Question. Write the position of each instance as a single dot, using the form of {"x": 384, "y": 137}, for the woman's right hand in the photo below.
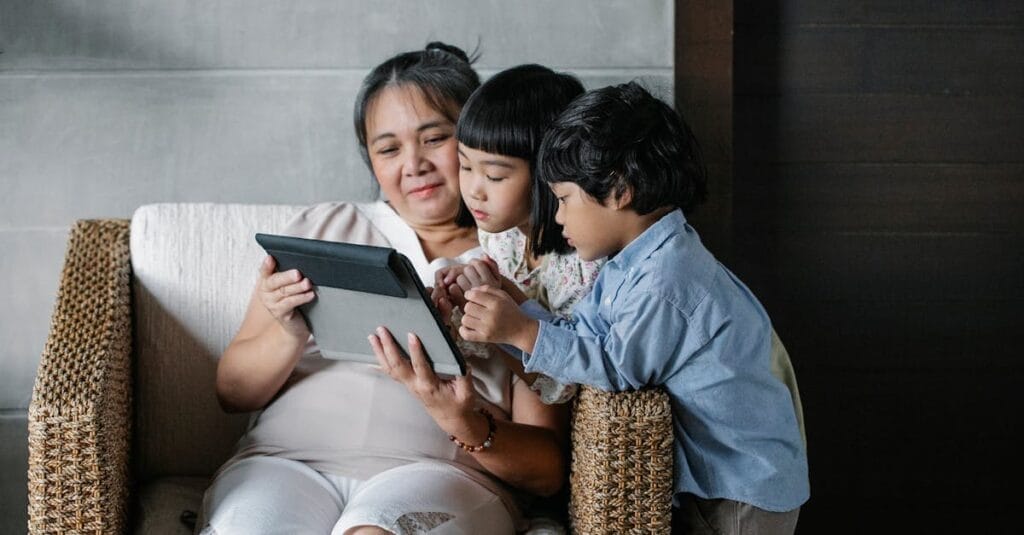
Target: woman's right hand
{"x": 282, "y": 293}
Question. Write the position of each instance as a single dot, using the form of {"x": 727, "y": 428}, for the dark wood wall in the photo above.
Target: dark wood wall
{"x": 877, "y": 209}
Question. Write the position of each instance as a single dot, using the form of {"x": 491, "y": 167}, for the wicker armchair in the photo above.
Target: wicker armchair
{"x": 104, "y": 457}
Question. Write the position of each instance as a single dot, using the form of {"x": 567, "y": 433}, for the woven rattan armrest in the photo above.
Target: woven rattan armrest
{"x": 621, "y": 480}
{"x": 79, "y": 417}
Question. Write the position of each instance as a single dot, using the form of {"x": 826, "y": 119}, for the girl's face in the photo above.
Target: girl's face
{"x": 496, "y": 189}
{"x": 412, "y": 151}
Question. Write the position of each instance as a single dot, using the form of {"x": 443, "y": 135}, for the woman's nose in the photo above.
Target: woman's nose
{"x": 414, "y": 164}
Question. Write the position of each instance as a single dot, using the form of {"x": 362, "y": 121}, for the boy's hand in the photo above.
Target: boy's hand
{"x": 492, "y": 316}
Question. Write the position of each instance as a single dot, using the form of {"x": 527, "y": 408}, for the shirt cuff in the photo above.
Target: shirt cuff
{"x": 536, "y": 310}
{"x": 550, "y": 350}
{"x": 512, "y": 350}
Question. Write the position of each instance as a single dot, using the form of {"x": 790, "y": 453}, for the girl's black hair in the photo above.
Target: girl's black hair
{"x": 508, "y": 115}
{"x": 622, "y": 136}
{"x": 445, "y": 76}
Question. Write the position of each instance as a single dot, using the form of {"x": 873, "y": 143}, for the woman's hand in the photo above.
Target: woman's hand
{"x": 282, "y": 293}
{"x": 451, "y": 402}
{"x": 491, "y": 315}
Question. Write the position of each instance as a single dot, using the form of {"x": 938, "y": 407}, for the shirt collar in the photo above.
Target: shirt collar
{"x": 651, "y": 239}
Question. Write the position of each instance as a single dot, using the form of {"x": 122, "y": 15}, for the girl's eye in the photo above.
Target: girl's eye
{"x": 465, "y": 168}
{"x": 495, "y": 178}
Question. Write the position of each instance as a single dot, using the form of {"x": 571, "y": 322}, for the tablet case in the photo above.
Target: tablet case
{"x": 358, "y": 288}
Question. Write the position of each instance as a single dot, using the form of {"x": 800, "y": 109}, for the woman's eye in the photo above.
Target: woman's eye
{"x": 387, "y": 150}
{"x": 436, "y": 140}
{"x": 561, "y": 200}
{"x": 465, "y": 168}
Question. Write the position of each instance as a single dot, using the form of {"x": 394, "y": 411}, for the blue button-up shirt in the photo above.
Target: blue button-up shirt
{"x": 663, "y": 312}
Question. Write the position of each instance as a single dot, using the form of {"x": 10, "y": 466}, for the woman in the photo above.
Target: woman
{"x": 350, "y": 448}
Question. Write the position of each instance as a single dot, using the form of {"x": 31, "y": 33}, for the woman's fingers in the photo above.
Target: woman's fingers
{"x": 464, "y": 386}
{"x": 267, "y": 266}
{"x": 420, "y": 365}
{"x": 292, "y": 302}
{"x": 394, "y": 359}
{"x": 378, "y": 351}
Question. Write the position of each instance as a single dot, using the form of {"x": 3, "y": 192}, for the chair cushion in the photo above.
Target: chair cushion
{"x": 194, "y": 266}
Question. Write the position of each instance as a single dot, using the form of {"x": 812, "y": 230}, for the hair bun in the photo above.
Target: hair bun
{"x": 451, "y": 49}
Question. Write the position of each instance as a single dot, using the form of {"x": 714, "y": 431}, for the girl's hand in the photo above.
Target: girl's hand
{"x": 441, "y": 300}
{"x": 477, "y": 273}
{"x": 451, "y": 402}
{"x": 282, "y": 293}
{"x": 493, "y": 316}
{"x": 449, "y": 291}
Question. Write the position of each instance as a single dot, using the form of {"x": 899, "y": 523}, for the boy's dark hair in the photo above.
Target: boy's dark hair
{"x": 442, "y": 72}
{"x": 508, "y": 115}
{"x": 622, "y": 136}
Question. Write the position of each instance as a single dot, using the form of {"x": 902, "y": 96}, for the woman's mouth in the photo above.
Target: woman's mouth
{"x": 424, "y": 191}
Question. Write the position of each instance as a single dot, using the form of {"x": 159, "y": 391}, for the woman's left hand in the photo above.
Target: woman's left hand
{"x": 451, "y": 402}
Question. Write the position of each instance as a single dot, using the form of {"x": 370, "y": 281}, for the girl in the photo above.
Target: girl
{"x": 499, "y": 132}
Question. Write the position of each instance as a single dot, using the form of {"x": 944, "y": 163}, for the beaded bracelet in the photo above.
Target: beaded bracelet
{"x": 487, "y": 443}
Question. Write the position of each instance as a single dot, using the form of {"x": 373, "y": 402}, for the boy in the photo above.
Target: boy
{"x": 663, "y": 312}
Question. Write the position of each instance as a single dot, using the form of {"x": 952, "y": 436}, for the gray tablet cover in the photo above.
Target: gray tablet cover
{"x": 358, "y": 288}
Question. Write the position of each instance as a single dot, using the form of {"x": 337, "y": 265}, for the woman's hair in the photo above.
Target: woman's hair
{"x": 508, "y": 115}
{"x": 622, "y": 136}
{"x": 441, "y": 72}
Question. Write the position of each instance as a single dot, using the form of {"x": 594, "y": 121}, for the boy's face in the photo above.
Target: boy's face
{"x": 593, "y": 227}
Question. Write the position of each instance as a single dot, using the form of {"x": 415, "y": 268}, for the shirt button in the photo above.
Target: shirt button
{"x": 607, "y": 301}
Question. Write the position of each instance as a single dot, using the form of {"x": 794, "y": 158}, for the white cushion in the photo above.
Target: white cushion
{"x": 194, "y": 266}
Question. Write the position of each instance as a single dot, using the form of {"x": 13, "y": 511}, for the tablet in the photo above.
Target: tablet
{"x": 361, "y": 287}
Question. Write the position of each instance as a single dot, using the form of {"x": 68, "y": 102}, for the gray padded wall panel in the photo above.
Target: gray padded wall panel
{"x": 119, "y": 34}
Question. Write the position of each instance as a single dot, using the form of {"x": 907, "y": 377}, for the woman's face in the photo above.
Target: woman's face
{"x": 412, "y": 151}
{"x": 496, "y": 189}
